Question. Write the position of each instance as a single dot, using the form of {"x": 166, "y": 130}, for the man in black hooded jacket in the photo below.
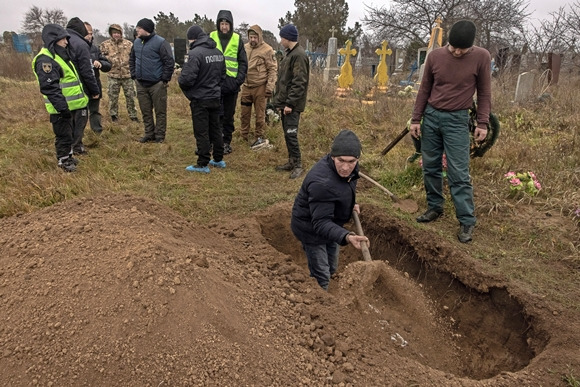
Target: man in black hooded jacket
{"x": 81, "y": 57}
{"x": 201, "y": 79}
{"x": 231, "y": 45}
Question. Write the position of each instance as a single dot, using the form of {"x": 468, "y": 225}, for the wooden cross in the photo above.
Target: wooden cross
{"x": 333, "y": 30}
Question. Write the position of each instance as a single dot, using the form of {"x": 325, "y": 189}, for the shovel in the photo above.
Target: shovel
{"x": 406, "y": 205}
{"x": 364, "y": 248}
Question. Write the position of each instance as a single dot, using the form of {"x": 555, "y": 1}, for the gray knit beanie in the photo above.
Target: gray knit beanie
{"x": 346, "y": 143}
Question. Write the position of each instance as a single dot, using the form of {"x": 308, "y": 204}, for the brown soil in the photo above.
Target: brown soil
{"x": 119, "y": 290}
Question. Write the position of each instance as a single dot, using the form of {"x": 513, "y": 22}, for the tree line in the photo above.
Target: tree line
{"x": 403, "y": 23}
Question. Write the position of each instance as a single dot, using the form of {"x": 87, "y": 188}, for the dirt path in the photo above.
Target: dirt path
{"x": 121, "y": 290}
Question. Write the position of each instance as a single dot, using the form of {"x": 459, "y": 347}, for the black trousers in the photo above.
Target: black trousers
{"x": 63, "y": 135}
{"x": 207, "y": 130}
{"x": 80, "y": 118}
{"x": 227, "y": 115}
{"x": 290, "y": 126}
{"x": 95, "y": 115}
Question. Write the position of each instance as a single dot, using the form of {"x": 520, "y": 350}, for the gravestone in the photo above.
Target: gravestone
{"x": 331, "y": 70}
{"x": 180, "y": 50}
{"x": 358, "y": 61}
{"x": 435, "y": 41}
{"x": 525, "y": 86}
{"x": 554, "y": 64}
{"x": 421, "y": 56}
{"x": 399, "y": 60}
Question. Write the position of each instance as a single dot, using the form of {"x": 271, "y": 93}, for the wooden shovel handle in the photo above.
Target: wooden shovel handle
{"x": 364, "y": 248}
{"x": 392, "y": 195}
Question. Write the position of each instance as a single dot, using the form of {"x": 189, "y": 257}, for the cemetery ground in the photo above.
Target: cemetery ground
{"x": 134, "y": 272}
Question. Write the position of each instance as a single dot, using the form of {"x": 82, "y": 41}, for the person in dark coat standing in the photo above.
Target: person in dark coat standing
{"x": 100, "y": 63}
{"x": 200, "y": 80}
{"x": 232, "y": 46}
{"x": 151, "y": 63}
{"x": 325, "y": 203}
{"x": 61, "y": 88}
{"x": 81, "y": 57}
{"x": 290, "y": 96}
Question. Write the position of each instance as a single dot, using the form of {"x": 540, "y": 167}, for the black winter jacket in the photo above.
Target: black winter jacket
{"x": 292, "y": 84}
{"x": 81, "y": 56}
{"x": 232, "y": 85}
{"x": 106, "y": 65}
{"x": 204, "y": 71}
{"x": 49, "y": 78}
{"x": 324, "y": 204}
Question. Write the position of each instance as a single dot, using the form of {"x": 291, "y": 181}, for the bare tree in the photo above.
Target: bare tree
{"x": 36, "y": 18}
{"x": 551, "y": 36}
{"x": 406, "y": 21}
{"x": 129, "y": 31}
{"x": 573, "y": 24}
{"x": 498, "y": 21}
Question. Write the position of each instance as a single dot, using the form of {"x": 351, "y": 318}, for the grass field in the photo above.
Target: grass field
{"x": 531, "y": 239}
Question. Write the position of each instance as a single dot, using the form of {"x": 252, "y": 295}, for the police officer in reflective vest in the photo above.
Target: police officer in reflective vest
{"x": 232, "y": 46}
{"x": 62, "y": 90}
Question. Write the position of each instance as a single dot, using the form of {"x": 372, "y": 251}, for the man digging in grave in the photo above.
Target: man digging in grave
{"x": 325, "y": 203}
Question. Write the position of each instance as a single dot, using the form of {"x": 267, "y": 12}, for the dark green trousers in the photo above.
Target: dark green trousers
{"x": 447, "y": 132}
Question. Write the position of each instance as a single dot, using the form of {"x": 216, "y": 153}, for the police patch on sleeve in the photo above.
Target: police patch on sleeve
{"x": 47, "y": 67}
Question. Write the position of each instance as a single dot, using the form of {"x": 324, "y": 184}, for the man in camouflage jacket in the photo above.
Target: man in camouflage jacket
{"x": 117, "y": 50}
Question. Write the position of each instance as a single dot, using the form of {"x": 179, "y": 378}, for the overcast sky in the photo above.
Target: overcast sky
{"x": 262, "y": 12}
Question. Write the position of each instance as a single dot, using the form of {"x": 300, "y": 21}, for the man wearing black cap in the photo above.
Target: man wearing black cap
{"x": 232, "y": 46}
{"x": 151, "y": 64}
{"x": 325, "y": 203}
{"x": 290, "y": 95}
{"x": 453, "y": 74}
{"x": 200, "y": 80}
{"x": 80, "y": 55}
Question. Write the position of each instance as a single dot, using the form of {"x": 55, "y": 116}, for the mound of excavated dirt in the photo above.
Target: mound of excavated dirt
{"x": 119, "y": 290}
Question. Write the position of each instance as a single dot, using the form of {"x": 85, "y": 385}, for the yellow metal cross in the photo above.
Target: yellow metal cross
{"x": 382, "y": 75}
{"x": 345, "y": 79}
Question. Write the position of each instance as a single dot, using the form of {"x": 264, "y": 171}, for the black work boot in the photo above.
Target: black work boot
{"x": 429, "y": 216}
{"x": 286, "y": 167}
{"x": 297, "y": 170}
{"x": 465, "y": 233}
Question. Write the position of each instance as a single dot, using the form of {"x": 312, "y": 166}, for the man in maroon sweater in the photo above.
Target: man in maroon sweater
{"x": 452, "y": 75}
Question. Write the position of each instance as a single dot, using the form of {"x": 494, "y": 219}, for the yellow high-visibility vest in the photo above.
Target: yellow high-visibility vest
{"x": 70, "y": 84}
{"x": 230, "y": 53}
